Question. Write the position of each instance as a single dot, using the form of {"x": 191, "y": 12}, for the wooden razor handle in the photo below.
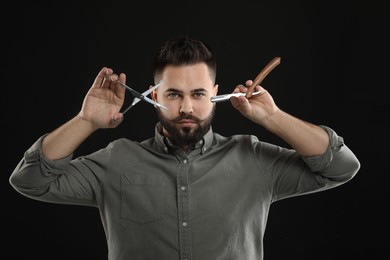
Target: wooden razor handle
{"x": 263, "y": 73}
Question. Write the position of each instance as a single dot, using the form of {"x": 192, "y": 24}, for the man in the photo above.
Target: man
{"x": 187, "y": 192}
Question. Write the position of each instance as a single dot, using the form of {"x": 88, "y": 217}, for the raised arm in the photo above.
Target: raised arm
{"x": 100, "y": 109}
{"x": 305, "y": 138}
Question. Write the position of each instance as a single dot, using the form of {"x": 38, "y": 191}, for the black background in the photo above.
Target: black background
{"x": 334, "y": 71}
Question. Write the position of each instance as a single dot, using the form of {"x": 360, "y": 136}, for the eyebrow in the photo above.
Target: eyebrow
{"x": 180, "y": 91}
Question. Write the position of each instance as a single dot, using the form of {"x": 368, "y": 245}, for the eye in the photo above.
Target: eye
{"x": 198, "y": 95}
{"x": 173, "y": 95}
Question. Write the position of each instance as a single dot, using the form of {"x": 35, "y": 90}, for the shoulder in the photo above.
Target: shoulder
{"x": 122, "y": 144}
{"x": 235, "y": 138}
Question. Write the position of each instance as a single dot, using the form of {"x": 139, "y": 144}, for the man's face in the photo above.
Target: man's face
{"x": 186, "y": 93}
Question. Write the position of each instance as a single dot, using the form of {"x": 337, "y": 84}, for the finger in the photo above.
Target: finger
{"x": 240, "y": 88}
{"x": 99, "y": 80}
{"x": 122, "y": 78}
{"x": 119, "y": 86}
{"x": 260, "y": 88}
{"x": 248, "y": 83}
{"x": 108, "y": 79}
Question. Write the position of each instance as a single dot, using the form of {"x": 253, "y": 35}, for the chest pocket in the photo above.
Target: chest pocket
{"x": 142, "y": 198}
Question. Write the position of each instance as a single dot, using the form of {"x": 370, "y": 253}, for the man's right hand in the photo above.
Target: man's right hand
{"x": 102, "y": 104}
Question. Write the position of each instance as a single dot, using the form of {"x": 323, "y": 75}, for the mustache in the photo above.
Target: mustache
{"x": 187, "y": 116}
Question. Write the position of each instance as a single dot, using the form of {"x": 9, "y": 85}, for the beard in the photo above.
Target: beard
{"x": 185, "y": 135}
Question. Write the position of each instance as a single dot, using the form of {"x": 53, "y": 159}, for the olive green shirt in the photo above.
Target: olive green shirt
{"x": 160, "y": 203}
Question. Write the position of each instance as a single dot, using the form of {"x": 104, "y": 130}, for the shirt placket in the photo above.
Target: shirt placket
{"x": 183, "y": 209}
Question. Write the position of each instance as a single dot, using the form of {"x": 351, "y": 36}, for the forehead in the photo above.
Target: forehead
{"x": 187, "y": 76}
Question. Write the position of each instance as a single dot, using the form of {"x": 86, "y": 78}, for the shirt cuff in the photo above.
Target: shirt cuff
{"x": 321, "y": 162}
{"x": 34, "y": 153}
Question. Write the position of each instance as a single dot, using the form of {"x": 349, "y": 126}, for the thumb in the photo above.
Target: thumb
{"x": 117, "y": 119}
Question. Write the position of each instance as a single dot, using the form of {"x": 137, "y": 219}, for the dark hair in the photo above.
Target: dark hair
{"x": 184, "y": 50}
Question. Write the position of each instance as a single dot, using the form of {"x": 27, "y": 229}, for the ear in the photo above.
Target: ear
{"x": 153, "y": 94}
{"x": 215, "y": 89}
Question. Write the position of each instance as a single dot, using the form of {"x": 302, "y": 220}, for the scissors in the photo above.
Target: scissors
{"x": 138, "y": 96}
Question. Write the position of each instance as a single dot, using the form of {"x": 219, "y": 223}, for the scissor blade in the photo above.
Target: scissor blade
{"x": 147, "y": 92}
{"x": 136, "y": 94}
{"x": 151, "y": 101}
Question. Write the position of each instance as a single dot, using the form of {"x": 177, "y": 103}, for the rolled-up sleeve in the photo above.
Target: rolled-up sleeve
{"x": 50, "y": 180}
{"x": 294, "y": 174}
{"x": 338, "y": 163}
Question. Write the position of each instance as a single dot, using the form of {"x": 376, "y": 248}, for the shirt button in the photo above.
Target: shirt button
{"x": 185, "y": 161}
{"x": 185, "y": 224}
{"x": 183, "y": 188}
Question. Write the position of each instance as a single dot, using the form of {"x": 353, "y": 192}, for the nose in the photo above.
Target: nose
{"x": 186, "y": 105}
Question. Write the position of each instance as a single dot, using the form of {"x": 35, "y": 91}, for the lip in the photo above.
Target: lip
{"x": 186, "y": 122}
